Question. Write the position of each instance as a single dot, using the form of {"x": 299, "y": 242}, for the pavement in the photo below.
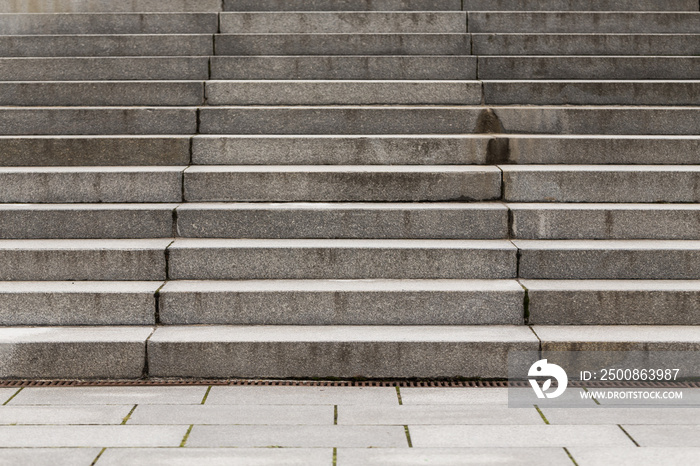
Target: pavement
{"x": 316, "y": 425}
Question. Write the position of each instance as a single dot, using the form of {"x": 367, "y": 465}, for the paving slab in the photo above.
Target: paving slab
{"x": 626, "y": 416}
{"x": 300, "y": 436}
{"x": 450, "y": 456}
{"x": 474, "y": 397}
{"x": 48, "y": 456}
{"x": 70, "y": 396}
{"x": 452, "y": 414}
{"x": 91, "y": 436}
{"x": 518, "y": 436}
{"x": 63, "y": 415}
{"x": 6, "y": 393}
{"x": 648, "y": 456}
{"x": 289, "y": 396}
{"x": 217, "y": 456}
{"x": 665, "y": 436}
{"x": 211, "y": 414}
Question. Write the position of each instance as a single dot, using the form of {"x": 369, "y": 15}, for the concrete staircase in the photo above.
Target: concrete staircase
{"x": 342, "y": 188}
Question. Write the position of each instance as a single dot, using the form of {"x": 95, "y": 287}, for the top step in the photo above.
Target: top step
{"x": 113, "y": 6}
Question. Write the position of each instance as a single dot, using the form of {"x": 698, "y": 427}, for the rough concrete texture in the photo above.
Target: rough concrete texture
{"x": 375, "y": 302}
{"x": 342, "y": 220}
{"x": 341, "y": 5}
{"x": 344, "y": 351}
{"x": 580, "y": 5}
{"x": 212, "y": 259}
{"x": 341, "y": 183}
{"x": 72, "y": 352}
{"x": 96, "y": 6}
{"x": 340, "y": 67}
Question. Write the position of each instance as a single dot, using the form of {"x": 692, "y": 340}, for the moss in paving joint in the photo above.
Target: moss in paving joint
{"x": 335, "y": 415}
{"x": 97, "y": 457}
{"x": 568, "y": 453}
{"x": 128, "y": 416}
{"x": 335, "y": 456}
{"x": 398, "y": 394}
{"x": 592, "y": 398}
{"x": 408, "y": 437}
{"x": 544, "y": 418}
{"x": 10, "y": 399}
{"x": 187, "y": 435}
{"x": 206, "y": 395}
{"x": 628, "y": 435}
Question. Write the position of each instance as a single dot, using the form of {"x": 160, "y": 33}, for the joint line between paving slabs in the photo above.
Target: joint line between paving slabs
{"x": 335, "y": 415}
{"x": 206, "y": 395}
{"x": 187, "y": 435}
{"x": 335, "y": 456}
{"x": 571, "y": 457}
{"x": 97, "y": 457}
{"x": 128, "y": 416}
{"x": 398, "y": 394}
{"x": 538, "y": 339}
{"x": 408, "y": 437}
{"x": 10, "y": 399}
{"x": 145, "y": 354}
{"x": 627, "y": 434}
{"x": 539, "y": 411}
{"x": 593, "y": 398}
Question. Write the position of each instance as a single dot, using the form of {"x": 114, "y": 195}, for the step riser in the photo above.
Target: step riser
{"x": 96, "y": 6}
{"x": 214, "y": 185}
{"x": 341, "y": 5}
{"x": 579, "y": 5}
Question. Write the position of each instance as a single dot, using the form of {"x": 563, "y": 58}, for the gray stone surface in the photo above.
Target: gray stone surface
{"x": 65, "y": 353}
{"x": 613, "y": 302}
{"x": 231, "y": 415}
{"x": 48, "y": 456}
{"x": 384, "y": 302}
{"x": 97, "y": 120}
{"x": 355, "y": 120}
{"x": 90, "y": 184}
{"x": 518, "y": 436}
{"x": 301, "y": 436}
{"x": 70, "y": 396}
{"x": 91, "y": 436}
{"x": 217, "y": 259}
{"x": 609, "y": 259}
{"x": 585, "y": 22}
{"x": 68, "y": 94}
{"x": 340, "y": 67}
{"x": 580, "y": 5}
{"x": 338, "y": 351}
{"x": 103, "y": 68}
{"x": 605, "y": 221}
{"x": 78, "y": 303}
{"x": 648, "y": 456}
{"x": 301, "y": 395}
{"x": 94, "y": 150}
{"x": 66, "y": 259}
{"x": 585, "y": 44}
{"x": 592, "y": 92}
{"x": 342, "y": 92}
{"x": 152, "y": 45}
{"x": 626, "y": 416}
{"x": 665, "y": 436}
{"x": 437, "y": 415}
{"x": 217, "y": 456}
{"x": 478, "y": 397}
{"x": 583, "y": 67}
{"x": 450, "y": 456}
{"x": 599, "y": 120}
{"x": 106, "y": 23}
{"x": 597, "y": 149}
{"x": 85, "y": 221}
{"x": 63, "y": 415}
{"x": 88, "y": 6}
{"x": 341, "y": 183}
{"x": 368, "y": 45}
{"x": 343, "y": 22}
{"x": 342, "y": 220}
{"x": 353, "y": 150}
{"x": 596, "y": 183}
{"x": 340, "y": 5}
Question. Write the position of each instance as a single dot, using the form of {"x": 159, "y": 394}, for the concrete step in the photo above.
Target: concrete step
{"x": 585, "y": 22}
{"x": 605, "y": 221}
{"x": 73, "y": 352}
{"x": 342, "y": 5}
{"x": 237, "y": 259}
{"x": 334, "y": 44}
{"x": 585, "y": 68}
{"x": 97, "y": 120}
{"x": 342, "y": 92}
{"x": 96, "y": 6}
{"x": 579, "y": 5}
{"x": 287, "y": 183}
{"x": 606, "y": 183}
{"x": 592, "y": 92}
{"x": 586, "y": 44}
{"x": 86, "y": 221}
{"x": 442, "y": 150}
{"x": 343, "y": 22}
{"x": 342, "y": 302}
{"x": 342, "y": 220}
{"x": 613, "y": 302}
{"x": 90, "y": 184}
{"x": 83, "y": 260}
{"x": 457, "y": 67}
{"x": 102, "y": 93}
{"x": 367, "y": 120}
{"x": 109, "y": 23}
{"x": 336, "y": 351}
{"x": 104, "y": 69}
{"x": 78, "y": 303}
{"x": 25, "y": 151}
{"x": 609, "y": 259}
{"x": 107, "y": 45}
